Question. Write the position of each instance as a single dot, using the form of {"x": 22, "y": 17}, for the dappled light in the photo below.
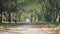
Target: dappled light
{"x": 30, "y": 16}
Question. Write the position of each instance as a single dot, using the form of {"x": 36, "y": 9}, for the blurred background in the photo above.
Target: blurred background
{"x": 34, "y": 11}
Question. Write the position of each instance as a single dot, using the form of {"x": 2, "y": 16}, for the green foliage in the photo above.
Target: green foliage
{"x": 41, "y": 10}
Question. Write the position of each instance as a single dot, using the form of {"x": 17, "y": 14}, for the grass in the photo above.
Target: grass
{"x": 10, "y": 24}
{"x": 49, "y": 23}
{"x": 5, "y": 24}
{"x": 46, "y": 23}
{"x": 55, "y": 24}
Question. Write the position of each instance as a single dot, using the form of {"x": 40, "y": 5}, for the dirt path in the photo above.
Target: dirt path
{"x": 29, "y": 29}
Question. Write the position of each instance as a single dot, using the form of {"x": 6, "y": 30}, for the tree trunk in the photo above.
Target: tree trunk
{"x": 1, "y": 10}
{"x": 57, "y": 19}
{"x": 9, "y": 17}
{"x": 0, "y": 16}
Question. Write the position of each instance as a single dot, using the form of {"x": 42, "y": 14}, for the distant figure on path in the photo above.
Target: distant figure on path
{"x": 31, "y": 18}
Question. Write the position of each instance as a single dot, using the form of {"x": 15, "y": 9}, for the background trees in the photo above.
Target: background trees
{"x": 9, "y": 6}
{"x": 40, "y": 10}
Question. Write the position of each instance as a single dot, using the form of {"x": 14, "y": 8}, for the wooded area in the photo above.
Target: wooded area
{"x": 35, "y": 10}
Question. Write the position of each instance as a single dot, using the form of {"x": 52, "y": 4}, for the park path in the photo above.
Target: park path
{"x": 24, "y": 29}
{"x": 29, "y": 29}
